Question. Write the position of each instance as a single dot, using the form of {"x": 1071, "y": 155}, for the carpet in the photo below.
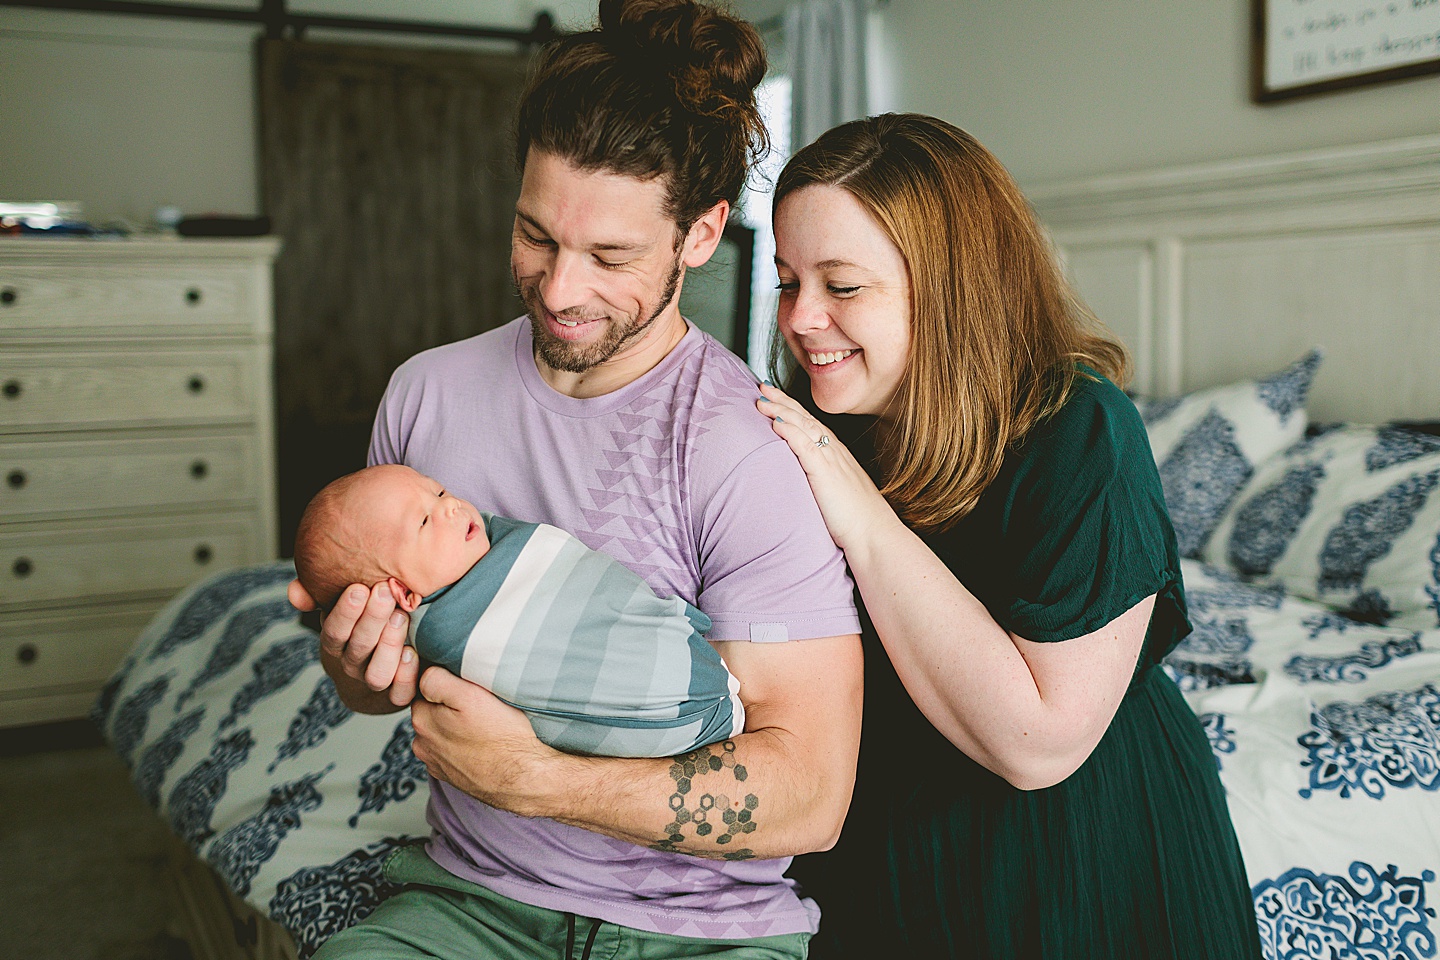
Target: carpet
{"x": 85, "y": 858}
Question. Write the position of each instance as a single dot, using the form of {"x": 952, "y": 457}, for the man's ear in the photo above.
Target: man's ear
{"x": 405, "y": 598}
{"x": 705, "y": 234}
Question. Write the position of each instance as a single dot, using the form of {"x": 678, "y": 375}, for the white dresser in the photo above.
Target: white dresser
{"x": 136, "y": 446}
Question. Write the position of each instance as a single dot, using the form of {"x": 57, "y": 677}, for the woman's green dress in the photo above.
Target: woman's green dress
{"x": 1133, "y": 855}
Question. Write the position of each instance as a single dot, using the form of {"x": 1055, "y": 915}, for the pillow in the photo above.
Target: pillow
{"x": 1349, "y": 517}
{"x": 1208, "y": 443}
{"x": 235, "y": 735}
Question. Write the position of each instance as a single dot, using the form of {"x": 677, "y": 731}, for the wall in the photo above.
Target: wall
{"x": 1071, "y": 88}
{"x": 125, "y": 114}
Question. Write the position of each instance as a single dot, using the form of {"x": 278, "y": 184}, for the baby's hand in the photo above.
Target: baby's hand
{"x": 362, "y": 644}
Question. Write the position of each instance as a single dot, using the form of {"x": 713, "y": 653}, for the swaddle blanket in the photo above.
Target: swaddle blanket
{"x": 581, "y": 644}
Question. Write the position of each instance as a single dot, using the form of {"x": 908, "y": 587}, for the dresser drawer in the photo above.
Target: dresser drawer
{"x": 50, "y": 478}
{"x": 67, "y": 650}
{"x": 43, "y": 298}
{"x": 70, "y": 561}
{"x": 41, "y": 390}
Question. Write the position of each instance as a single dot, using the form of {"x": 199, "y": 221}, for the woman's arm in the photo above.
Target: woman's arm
{"x": 1029, "y": 712}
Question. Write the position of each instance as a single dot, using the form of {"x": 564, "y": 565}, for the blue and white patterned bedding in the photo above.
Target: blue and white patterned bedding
{"x": 235, "y": 735}
{"x": 1327, "y": 733}
{"x": 1326, "y": 728}
{"x": 1313, "y": 577}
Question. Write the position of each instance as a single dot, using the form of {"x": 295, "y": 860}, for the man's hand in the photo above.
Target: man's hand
{"x": 470, "y": 738}
{"x": 363, "y": 648}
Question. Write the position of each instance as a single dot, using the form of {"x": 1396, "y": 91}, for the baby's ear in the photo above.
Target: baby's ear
{"x": 405, "y": 598}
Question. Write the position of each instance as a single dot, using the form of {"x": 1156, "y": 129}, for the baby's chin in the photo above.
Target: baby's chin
{"x": 461, "y": 569}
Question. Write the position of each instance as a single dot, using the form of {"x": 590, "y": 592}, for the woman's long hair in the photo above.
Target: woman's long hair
{"x": 996, "y": 331}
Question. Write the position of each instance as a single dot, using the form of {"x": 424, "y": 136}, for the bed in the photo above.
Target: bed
{"x": 1306, "y": 502}
{"x": 1313, "y": 580}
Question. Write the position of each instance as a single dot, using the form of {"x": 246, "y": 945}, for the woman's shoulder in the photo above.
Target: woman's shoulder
{"x": 1098, "y": 426}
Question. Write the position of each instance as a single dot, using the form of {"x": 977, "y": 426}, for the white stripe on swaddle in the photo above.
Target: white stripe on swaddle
{"x": 737, "y": 708}
{"x": 482, "y": 660}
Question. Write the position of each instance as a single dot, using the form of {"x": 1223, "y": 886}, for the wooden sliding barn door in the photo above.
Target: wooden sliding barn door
{"x": 387, "y": 173}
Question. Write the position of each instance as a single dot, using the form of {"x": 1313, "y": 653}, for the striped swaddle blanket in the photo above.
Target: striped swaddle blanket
{"x": 599, "y": 663}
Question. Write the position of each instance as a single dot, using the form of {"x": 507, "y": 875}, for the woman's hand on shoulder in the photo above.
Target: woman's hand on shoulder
{"x": 849, "y": 501}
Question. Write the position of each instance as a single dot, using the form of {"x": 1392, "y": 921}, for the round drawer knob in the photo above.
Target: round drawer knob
{"x": 11, "y": 388}
{"x": 193, "y": 296}
{"x": 196, "y": 384}
{"x": 203, "y": 554}
{"x": 27, "y": 653}
{"x": 198, "y": 469}
{"x": 16, "y": 479}
{"x": 8, "y": 296}
{"x": 22, "y": 567}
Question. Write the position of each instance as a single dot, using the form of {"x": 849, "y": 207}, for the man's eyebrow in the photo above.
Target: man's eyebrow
{"x": 531, "y": 221}
{"x": 635, "y": 246}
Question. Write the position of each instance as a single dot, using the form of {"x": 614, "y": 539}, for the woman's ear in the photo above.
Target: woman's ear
{"x": 405, "y": 598}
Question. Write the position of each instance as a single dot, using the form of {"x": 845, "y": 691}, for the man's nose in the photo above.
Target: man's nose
{"x": 564, "y": 283}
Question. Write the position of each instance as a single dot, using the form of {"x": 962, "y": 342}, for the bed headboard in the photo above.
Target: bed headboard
{"x": 1224, "y": 271}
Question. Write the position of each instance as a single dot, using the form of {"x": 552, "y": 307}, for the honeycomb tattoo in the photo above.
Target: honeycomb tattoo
{"x": 699, "y": 806}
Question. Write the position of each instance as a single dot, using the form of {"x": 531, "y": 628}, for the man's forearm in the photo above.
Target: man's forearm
{"x": 779, "y": 789}
{"x": 739, "y": 799}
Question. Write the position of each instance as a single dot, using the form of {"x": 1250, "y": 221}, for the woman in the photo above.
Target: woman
{"x": 1031, "y": 784}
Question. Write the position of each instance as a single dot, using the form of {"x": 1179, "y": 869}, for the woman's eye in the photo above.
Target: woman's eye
{"x": 842, "y": 291}
{"x": 787, "y": 285}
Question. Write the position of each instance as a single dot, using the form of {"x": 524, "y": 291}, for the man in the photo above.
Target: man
{"x": 604, "y": 413}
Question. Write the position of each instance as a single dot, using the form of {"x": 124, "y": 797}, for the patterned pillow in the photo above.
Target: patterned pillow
{"x": 1208, "y": 443}
{"x": 1349, "y": 517}
{"x": 235, "y": 735}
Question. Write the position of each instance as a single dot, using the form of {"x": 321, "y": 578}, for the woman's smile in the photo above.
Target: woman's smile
{"x": 830, "y": 358}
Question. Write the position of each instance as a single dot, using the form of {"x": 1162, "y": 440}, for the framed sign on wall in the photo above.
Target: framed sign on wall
{"x": 1302, "y": 47}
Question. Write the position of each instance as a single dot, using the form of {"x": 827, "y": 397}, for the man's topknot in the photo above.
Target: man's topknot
{"x": 698, "y": 46}
{"x": 661, "y": 88}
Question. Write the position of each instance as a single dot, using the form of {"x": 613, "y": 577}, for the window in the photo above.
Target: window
{"x": 754, "y": 211}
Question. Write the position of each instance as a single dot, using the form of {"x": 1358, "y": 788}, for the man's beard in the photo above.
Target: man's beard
{"x": 564, "y": 355}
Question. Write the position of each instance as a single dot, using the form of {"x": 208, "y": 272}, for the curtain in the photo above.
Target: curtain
{"x": 387, "y": 173}
{"x": 825, "y": 53}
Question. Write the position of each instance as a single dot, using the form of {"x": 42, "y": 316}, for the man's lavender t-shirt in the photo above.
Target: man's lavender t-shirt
{"x": 681, "y": 479}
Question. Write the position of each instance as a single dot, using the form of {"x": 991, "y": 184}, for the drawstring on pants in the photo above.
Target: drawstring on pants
{"x": 570, "y": 938}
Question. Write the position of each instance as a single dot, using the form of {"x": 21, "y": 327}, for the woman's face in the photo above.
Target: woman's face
{"x": 844, "y": 300}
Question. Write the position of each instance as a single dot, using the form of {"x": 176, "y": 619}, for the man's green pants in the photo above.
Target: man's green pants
{"x": 439, "y": 915}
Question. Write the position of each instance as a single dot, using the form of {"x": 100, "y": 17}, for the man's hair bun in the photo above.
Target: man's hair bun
{"x": 713, "y": 59}
{"x": 660, "y": 88}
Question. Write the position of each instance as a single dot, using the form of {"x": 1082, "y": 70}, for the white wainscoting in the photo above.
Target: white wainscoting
{"x": 1217, "y": 272}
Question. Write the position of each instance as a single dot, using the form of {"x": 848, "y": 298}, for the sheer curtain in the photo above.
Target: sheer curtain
{"x": 817, "y": 80}
{"x": 826, "y": 51}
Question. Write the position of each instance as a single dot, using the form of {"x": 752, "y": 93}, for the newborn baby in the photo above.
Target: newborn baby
{"x": 581, "y": 644}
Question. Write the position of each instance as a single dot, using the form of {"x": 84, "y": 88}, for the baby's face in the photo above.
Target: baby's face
{"x": 427, "y": 537}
